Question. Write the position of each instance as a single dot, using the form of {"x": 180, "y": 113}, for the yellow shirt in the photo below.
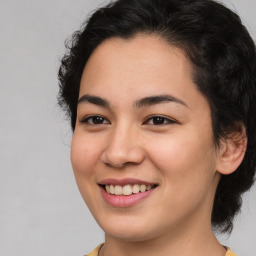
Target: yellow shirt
{"x": 96, "y": 251}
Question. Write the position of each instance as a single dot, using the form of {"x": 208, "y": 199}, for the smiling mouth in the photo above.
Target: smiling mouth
{"x": 127, "y": 190}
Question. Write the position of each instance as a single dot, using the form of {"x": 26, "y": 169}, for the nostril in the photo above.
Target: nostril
{"x": 119, "y": 154}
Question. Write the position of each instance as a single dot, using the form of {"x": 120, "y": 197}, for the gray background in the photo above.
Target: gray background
{"x": 41, "y": 210}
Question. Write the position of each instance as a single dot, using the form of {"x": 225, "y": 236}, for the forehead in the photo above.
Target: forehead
{"x": 144, "y": 46}
{"x": 142, "y": 66}
{"x": 147, "y": 51}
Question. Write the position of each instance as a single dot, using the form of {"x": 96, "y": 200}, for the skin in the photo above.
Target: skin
{"x": 179, "y": 155}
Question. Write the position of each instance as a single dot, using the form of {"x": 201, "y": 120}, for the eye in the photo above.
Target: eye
{"x": 159, "y": 120}
{"x": 95, "y": 120}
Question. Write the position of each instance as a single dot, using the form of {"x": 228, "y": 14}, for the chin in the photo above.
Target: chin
{"x": 130, "y": 236}
{"x": 128, "y": 232}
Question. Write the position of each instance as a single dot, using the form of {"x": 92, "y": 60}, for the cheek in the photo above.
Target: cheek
{"x": 184, "y": 160}
{"x": 187, "y": 168}
{"x": 84, "y": 155}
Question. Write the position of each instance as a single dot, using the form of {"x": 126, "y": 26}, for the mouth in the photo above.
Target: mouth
{"x": 126, "y": 192}
{"x": 128, "y": 189}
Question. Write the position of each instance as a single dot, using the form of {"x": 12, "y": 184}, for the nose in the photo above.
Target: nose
{"x": 123, "y": 148}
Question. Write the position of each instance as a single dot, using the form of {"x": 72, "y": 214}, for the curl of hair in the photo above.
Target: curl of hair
{"x": 223, "y": 58}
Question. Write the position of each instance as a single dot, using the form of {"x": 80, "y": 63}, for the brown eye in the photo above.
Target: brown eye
{"x": 95, "y": 120}
{"x": 158, "y": 120}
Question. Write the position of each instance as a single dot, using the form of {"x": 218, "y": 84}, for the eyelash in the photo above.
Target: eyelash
{"x": 89, "y": 120}
{"x": 163, "y": 118}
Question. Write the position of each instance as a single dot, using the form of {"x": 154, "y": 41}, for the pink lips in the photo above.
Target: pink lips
{"x": 124, "y": 201}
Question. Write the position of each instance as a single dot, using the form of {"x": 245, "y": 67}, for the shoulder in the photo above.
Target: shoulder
{"x": 230, "y": 253}
{"x": 95, "y": 252}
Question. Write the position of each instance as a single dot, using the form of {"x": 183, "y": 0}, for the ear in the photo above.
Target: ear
{"x": 232, "y": 151}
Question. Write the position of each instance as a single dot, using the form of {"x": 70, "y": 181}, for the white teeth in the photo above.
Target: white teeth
{"x": 127, "y": 189}
{"x": 118, "y": 190}
{"x": 143, "y": 188}
{"x": 112, "y": 189}
{"x": 135, "y": 188}
{"x": 148, "y": 187}
{"x": 108, "y": 188}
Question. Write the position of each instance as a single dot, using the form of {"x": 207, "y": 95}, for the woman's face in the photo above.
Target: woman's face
{"x": 141, "y": 122}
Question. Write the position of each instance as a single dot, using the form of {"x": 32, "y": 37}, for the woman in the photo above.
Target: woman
{"x": 160, "y": 96}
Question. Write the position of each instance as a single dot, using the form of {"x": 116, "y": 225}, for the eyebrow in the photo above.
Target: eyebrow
{"x": 94, "y": 100}
{"x": 147, "y": 101}
{"x": 153, "y": 100}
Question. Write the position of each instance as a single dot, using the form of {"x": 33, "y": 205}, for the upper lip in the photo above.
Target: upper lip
{"x": 123, "y": 182}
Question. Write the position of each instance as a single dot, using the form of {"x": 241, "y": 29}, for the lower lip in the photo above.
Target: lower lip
{"x": 125, "y": 201}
